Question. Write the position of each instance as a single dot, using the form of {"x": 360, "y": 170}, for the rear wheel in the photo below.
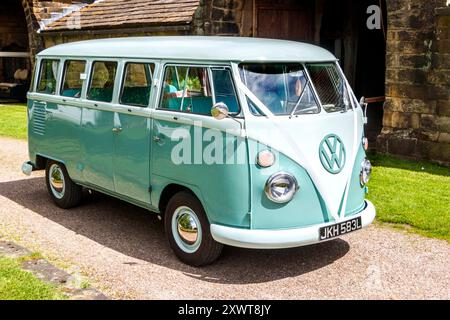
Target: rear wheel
{"x": 188, "y": 231}
{"x": 64, "y": 192}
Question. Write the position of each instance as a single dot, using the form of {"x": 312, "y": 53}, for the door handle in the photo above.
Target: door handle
{"x": 48, "y": 114}
{"x": 117, "y": 129}
{"x": 156, "y": 138}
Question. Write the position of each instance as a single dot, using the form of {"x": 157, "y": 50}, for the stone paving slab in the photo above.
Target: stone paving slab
{"x": 44, "y": 270}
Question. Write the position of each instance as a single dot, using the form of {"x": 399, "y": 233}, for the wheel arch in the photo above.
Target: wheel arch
{"x": 41, "y": 161}
{"x": 170, "y": 190}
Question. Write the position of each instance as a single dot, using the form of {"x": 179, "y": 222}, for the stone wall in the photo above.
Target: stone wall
{"x": 416, "y": 120}
{"x": 225, "y": 17}
{"x": 34, "y": 40}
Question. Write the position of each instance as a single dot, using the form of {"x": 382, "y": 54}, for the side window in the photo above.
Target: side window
{"x": 224, "y": 90}
{"x": 72, "y": 84}
{"x": 187, "y": 89}
{"x": 47, "y": 76}
{"x": 101, "y": 85}
{"x": 137, "y": 84}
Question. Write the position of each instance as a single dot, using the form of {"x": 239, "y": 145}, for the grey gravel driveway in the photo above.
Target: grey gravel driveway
{"x": 122, "y": 249}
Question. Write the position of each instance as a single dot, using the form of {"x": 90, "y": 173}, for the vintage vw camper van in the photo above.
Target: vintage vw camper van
{"x": 232, "y": 141}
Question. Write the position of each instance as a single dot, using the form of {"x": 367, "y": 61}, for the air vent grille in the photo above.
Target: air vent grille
{"x": 39, "y": 119}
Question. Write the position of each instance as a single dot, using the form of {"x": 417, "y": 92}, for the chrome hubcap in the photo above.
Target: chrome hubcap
{"x": 186, "y": 229}
{"x": 56, "y": 179}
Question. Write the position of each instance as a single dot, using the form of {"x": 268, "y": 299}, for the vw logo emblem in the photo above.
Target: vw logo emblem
{"x": 332, "y": 153}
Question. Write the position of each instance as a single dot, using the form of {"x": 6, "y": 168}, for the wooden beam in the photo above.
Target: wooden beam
{"x": 129, "y": 30}
{"x": 11, "y": 54}
{"x": 255, "y": 19}
{"x": 375, "y": 99}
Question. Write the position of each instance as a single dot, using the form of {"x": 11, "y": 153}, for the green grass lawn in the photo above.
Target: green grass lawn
{"x": 13, "y": 120}
{"x": 18, "y": 284}
{"x": 412, "y": 195}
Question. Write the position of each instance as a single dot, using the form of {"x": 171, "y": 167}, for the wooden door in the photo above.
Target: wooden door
{"x": 284, "y": 19}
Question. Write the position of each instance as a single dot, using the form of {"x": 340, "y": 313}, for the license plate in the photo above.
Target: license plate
{"x": 340, "y": 229}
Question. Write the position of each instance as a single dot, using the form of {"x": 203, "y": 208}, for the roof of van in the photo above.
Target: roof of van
{"x": 194, "y": 48}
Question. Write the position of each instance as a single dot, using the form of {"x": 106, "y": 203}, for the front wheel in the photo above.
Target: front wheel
{"x": 188, "y": 231}
{"x": 64, "y": 192}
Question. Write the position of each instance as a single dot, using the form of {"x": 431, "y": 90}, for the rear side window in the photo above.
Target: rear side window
{"x": 72, "y": 82}
{"x": 101, "y": 85}
{"x": 137, "y": 84}
{"x": 47, "y": 76}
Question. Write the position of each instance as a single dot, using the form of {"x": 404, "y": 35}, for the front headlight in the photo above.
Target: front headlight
{"x": 281, "y": 187}
{"x": 366, "y": 170}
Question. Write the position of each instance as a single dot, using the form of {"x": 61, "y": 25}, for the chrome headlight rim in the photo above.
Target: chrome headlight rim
{"x": 279, "y": 176}
{"x": 366, "y": 170}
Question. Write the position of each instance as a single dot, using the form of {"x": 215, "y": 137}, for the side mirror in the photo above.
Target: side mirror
{"x": 363, "y": 104}
{"x": 362, "y": 101}
{"x": 220, "y": 111}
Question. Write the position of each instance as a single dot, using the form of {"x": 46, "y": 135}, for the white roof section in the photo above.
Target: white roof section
{"x": 194, "y": 48}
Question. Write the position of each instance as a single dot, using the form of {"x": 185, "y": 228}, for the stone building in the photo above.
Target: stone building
{"x": 416, "y": 121}
{"x": 21, "y": 21}
{"x": 395, "y": 52}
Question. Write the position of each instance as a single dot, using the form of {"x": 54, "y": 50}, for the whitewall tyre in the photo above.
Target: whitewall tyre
{"x": 64, "y": 192}
{"x": 188, "y": 231}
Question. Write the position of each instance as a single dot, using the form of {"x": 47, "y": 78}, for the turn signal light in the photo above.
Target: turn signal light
{"x": 365, "y": 143}
{"x": 265, "y": 159}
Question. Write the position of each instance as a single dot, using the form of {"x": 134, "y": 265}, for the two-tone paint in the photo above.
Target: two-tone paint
{"x": 125, "y": 151}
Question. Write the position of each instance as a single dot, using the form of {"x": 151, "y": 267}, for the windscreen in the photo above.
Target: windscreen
{"x": 283, "y": 88}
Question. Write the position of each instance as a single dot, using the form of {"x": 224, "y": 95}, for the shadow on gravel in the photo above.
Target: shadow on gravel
{"x": 134, "y": 232}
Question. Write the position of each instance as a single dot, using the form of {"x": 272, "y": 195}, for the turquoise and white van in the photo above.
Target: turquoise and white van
{"x": 233, "y": 141}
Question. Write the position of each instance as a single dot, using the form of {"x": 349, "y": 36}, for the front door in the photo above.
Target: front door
{"x": 192, "y": 148}
{"x": 284, "y": 19}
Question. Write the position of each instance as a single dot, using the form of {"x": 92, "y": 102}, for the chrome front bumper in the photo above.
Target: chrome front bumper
{"x": 286, "y": 238}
